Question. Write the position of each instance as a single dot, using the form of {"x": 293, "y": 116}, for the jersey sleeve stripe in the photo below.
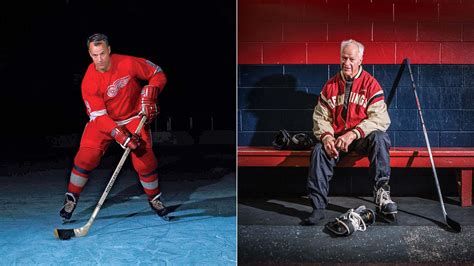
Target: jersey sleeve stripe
{"x": 95, "y": 114}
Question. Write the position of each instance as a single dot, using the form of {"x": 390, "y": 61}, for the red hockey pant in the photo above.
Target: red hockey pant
{"x": 93, "y": 145}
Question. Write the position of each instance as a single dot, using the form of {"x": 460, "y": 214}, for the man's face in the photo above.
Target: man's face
{"x": 100, "y": 55}
{"x": 350, "y": 61}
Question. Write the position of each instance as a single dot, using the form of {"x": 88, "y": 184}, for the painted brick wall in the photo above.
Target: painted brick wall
{"x": 287, "y": 50}
{"x": 274, "y": 97}
{"x": 309, "y": 31}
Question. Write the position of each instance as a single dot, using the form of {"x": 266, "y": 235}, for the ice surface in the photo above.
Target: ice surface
{"x": 126, "y": 231}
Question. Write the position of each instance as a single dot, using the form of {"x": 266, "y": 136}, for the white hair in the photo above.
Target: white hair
{"x": 356, "y": 43}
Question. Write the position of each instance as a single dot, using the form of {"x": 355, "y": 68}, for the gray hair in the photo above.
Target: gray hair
{"x": 97, "y": 38}
{"x": 356, "y": 43}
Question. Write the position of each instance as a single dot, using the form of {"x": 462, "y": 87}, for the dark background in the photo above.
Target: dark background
{"x": 43, "y": 57}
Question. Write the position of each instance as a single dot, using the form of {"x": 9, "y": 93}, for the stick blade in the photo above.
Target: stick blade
{"x": 64, "y": 234}
{"x": 453, "y": 224}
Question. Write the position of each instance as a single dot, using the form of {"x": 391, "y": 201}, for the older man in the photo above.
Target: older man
{"x": 351, "y": 115}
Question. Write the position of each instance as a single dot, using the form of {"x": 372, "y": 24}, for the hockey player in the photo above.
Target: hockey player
{"x": 115, "y": 103}
{"x": 350, "y": 115}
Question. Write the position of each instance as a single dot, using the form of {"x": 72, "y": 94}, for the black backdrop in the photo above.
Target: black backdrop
{"x": 43, "y": 57}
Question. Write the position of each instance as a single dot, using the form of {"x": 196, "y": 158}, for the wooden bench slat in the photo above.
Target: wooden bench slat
{"x": 406, "y": 157}
{"x": 399, "y": 158}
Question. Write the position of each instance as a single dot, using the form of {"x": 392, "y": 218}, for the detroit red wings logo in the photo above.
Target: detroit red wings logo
{"x": 113, "y": 89}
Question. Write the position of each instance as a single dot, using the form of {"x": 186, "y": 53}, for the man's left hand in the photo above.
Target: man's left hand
{"x": 343, "y": 142}
{"x": 150, "y": 110}
{"x": 149, "y": 97}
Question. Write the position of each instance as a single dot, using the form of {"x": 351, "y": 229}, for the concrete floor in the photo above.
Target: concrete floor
{"x": 269, "y": 232}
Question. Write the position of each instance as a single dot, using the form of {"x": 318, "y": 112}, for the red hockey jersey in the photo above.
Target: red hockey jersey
{"x": 113, "y": 98}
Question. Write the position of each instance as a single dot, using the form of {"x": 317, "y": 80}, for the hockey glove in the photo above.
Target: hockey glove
{"x": 284, "y": 141}
{"x": 149, "y": 98}
{"x": 125, "y": 138}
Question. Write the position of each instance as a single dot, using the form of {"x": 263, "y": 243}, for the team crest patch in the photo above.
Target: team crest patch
{"x": 113, "y": 89}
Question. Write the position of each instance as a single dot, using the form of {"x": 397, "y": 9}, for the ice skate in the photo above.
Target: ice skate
{"x": 351, "y": 221}
{"x": 157, "y": 205}
{"x": 384, "y": 204}
{"x": 70, "y": 202}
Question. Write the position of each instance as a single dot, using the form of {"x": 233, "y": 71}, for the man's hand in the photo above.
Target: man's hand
{"x": 148, "y": 100}
{"x": 125, "y": 138}
{"x": 343, "y": 142}
{"x": 330, "y": 146}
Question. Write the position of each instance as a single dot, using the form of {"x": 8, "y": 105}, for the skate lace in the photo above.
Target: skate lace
{"x": 383, "y": 197}
{"x": 356, "y": 220}
{"x": 69, "y": 205}
{"x": 157, "y": 204}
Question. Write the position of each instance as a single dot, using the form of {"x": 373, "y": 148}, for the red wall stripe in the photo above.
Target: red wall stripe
{"x": 419, "y": 52}
{"x": 457, "y": 53}
{"x": 284, "y": 53}
{"x": 456, "y": 12}
{"x": 323, "y": 53}
{"x": 468, "y": 32}
{"x": 395, "y": 31}
{"x": 250, "y": 53}
{"x": 436, "y": 32}
{"x": 304, "y": 32}
{"x": 339, "y": 31}
{"x": 260, "y": 31}
{"x": 379, "y": 53}
{"x": 381, "y": 11}
{"x": 309, "y": 31}
{"x": 326, "y": 12}
{"x": 416, "y": 12}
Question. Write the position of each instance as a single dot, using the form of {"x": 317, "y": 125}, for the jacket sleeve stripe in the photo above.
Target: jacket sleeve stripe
{"x": 377, "y": 97}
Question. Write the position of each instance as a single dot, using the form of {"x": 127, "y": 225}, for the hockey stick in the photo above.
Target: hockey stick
{"x": 450, "y": 222}
{"x": 65, "y": 234}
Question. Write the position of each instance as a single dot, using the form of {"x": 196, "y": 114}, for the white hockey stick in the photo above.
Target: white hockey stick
{"x": 450, "y": 222}
{"x": 65, "y": 234}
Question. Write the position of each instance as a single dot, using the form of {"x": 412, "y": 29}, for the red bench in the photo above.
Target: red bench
{"x": 460, "y": 158}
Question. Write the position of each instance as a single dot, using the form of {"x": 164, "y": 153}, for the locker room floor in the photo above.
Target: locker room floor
{"x": 269, "y": 232}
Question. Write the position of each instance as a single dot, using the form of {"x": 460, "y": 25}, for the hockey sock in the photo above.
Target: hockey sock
{"x": 147, "y": 168}
{"x": 86, "y": 160}
{"x": 149, "y": 182}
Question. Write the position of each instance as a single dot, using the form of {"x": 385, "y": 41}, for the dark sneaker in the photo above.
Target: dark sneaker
{"x": 69, "y": 206}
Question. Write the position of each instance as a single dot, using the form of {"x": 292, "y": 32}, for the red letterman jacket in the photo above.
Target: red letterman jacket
{"x": 366, "y": 110}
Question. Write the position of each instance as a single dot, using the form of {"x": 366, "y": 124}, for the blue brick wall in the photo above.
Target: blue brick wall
{"x": 274, "y": 97}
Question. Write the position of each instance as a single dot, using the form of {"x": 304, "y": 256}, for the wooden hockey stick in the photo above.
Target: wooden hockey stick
{"x": 65, "y": 234}
{"x": 450, "y": 222}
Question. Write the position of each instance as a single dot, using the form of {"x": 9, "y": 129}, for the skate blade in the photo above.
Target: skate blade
{"x": 388, "y": 217}
{"x": 336, "y": 229}
{"x": 68, "y": 221}
{"x": 338, "y": 232}
{"x": 166, "y": 218}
